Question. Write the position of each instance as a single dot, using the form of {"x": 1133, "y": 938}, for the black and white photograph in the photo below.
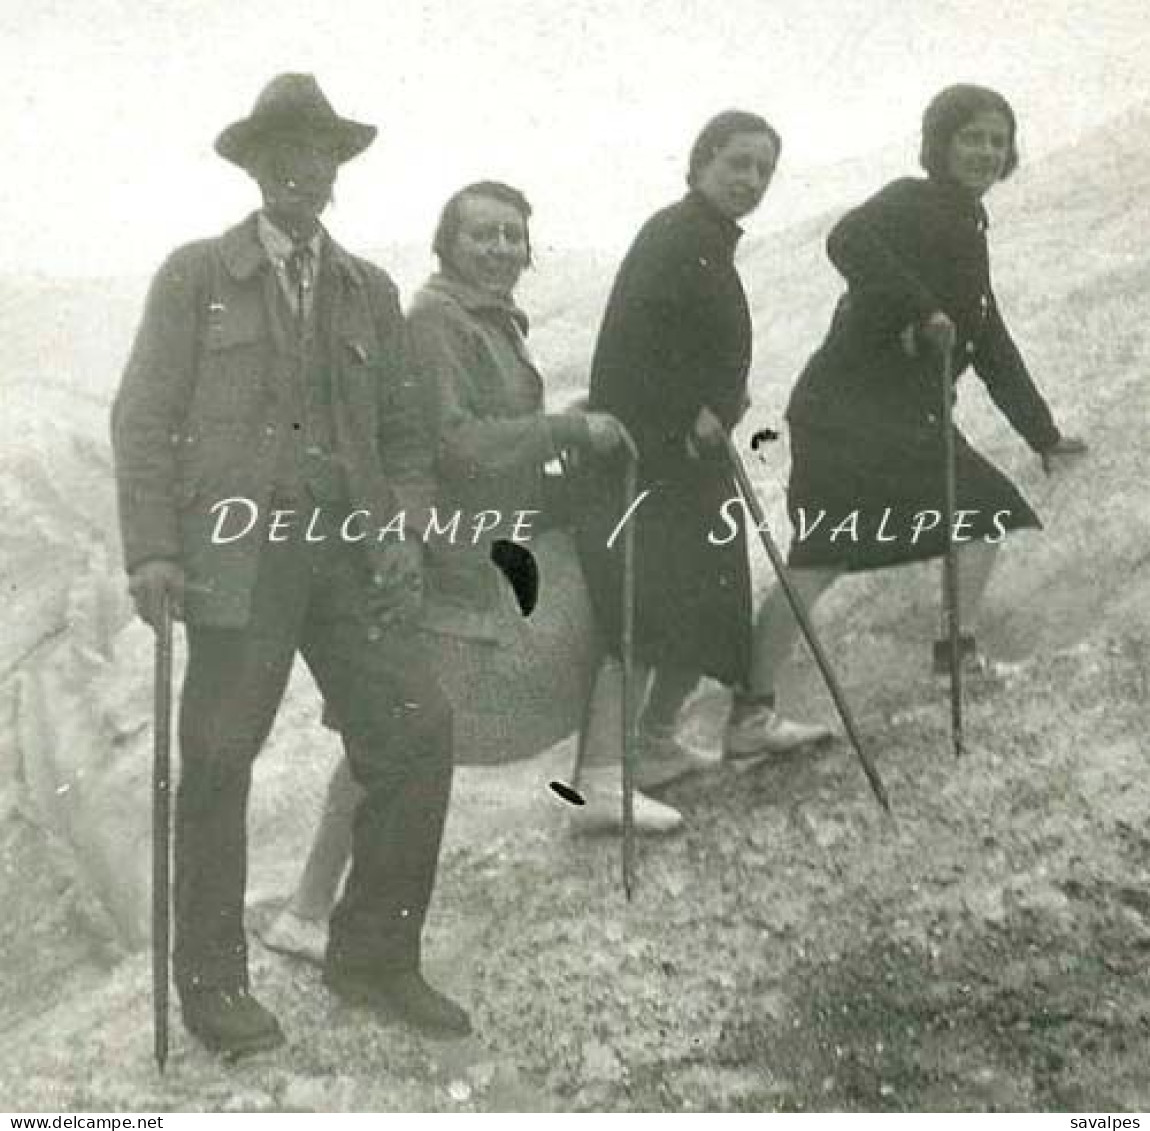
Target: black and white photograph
{"x": 575, "y": 556}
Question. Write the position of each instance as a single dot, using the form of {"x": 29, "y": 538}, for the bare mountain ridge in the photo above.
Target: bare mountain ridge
{"x": 75, "y": 332}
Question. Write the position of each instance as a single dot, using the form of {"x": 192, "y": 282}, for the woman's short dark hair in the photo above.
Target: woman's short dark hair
{"x": 447, "y": 230}
{"x": 949, "y": 111}
{"x": 719, "y": 130}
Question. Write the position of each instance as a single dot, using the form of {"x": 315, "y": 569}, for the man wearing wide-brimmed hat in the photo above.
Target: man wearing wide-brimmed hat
{"x": 268, "y": 380}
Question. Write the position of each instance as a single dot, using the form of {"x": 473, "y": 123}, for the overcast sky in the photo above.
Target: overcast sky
{"x": 109, "y": 107}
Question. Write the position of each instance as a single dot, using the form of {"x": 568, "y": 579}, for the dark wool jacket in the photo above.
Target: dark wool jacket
{"x": 916, "y": 247}
{"x": 676, "y": 336}
{"x": 198, "y": 419}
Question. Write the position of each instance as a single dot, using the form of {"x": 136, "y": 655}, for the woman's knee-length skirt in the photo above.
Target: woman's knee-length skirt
{"x": 864, "y": 498}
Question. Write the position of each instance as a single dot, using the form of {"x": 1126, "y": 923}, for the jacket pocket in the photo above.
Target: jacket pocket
{"x": 231, "y": 384}
{"x": 236, "y": 324}
{"x": 358, "y": 365}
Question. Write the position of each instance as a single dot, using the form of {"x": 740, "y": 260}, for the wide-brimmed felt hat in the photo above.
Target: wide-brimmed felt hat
{"x": 293, "y": 105}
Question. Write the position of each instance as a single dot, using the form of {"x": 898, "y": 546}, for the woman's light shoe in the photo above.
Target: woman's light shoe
{"x": 602, "y": 810}
{"x": 296, "y": 936}
{"x": 663, "y": 759}
{"x": 763, "y": 731}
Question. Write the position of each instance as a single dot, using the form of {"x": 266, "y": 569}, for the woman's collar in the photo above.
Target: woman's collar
{"x": 730, "y": 228}
{"x": 963, "y": 199}
{"x": 476, "y": 299}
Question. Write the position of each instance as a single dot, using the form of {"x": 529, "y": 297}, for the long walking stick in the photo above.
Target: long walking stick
{"x": 631, "y": 487}
{"x": 952, "y": 612}
{"x": 804, "y": 621}
{"x": 161, "y": 831}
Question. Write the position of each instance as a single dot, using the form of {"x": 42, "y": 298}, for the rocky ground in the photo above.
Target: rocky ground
{"x": 987, "y": 948}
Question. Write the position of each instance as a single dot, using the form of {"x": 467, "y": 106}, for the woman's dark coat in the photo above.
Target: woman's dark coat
{"x": 864, "y": 415}
{"x": 676, "y": 336}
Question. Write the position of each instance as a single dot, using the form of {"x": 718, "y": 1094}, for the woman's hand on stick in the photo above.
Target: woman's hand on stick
{"x": 938, "y": 333}
{"x": 606, "y": 433}
{"x": 707, "y": 434}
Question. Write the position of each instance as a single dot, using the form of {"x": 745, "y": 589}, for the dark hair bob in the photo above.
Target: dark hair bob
{"x": 719, "y": 130}
{"x": 948, "y": 112}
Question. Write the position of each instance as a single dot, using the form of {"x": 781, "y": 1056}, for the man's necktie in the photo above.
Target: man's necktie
{"x": 299, "y": 267}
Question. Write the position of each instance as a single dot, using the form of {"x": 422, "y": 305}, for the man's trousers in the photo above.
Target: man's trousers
{"x": 318, "y": 599}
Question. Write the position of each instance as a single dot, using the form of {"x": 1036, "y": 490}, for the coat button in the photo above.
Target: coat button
{"x": 377, "y": 579}
{"x": 375, "y": 633}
